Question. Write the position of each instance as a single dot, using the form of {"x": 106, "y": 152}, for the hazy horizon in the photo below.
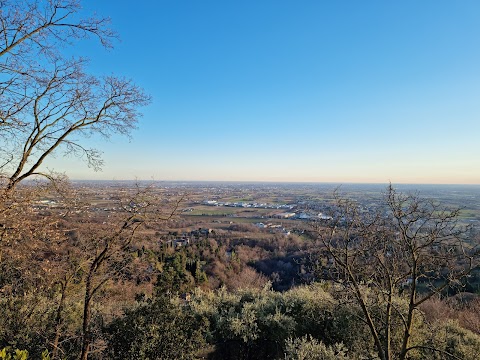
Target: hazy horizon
{"x": 270, "y": 182}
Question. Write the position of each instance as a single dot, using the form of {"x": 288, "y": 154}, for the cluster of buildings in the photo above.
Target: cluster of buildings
{"x": 248, "y": 205}
{"x": 188, "y": 237}
{"x": 274, "y": 227}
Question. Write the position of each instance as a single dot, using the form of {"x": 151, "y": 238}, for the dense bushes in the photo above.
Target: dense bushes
{"x": 448, "y": 340}
{"x": 244, "y": 324}
{"x": 306, "y": 322}
{"x": 161, "y": 329}
{"x": 313, "y": 322}
{"x": 256, "y": 324}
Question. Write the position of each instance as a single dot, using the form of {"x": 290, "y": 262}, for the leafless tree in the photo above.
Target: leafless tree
{"x": 32, "y": 35}
{"x": 48, "y": 102}
{"x": 106, "y": 247}
{"x": 411, "y": 249}
{"x": 66, "y": 104}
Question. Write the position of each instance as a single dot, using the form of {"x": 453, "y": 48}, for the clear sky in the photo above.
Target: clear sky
{"x": 343, "y": 91}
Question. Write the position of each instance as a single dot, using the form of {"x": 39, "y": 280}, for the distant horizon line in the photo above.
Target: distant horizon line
{"x": 272, "y": 182}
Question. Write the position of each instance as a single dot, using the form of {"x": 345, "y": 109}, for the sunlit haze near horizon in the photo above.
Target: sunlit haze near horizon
{"x": 310, "y": 91}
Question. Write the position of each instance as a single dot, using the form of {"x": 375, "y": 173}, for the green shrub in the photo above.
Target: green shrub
{"x": 157, "y": 330}
{"x": 8, "y": 353}
{"x": 448, "y": 340}
{"x": 307, "y": 348}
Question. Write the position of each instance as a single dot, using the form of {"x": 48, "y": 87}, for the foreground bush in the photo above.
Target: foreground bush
{"x": 161, "y": 329}
{"x": 448, "y": 340}
{"x": 255, "y": 324}
{"x": 306, "y": 348}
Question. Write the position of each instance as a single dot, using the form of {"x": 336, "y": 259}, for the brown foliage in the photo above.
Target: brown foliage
{"x": 465, "y": 311}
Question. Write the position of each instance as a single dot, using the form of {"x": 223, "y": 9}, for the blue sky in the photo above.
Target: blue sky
{"x": 344, "y": 91}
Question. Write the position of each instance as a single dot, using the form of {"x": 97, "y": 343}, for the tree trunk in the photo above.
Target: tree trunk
{"x": 388, "y": 326}
{"x": 368, "y": 318}
{"x": 411, "y": 309}
{"x": 86, "y": 338}
{"x": 58, "y": 321}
